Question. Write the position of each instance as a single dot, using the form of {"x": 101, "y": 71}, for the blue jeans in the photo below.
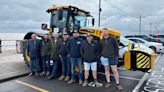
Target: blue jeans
{"x": 34, "y": 64}
{"x": 74, "y": 62}
{"x": 65, "y": 66}
{"x": 55, "y": 68}
{"x": 46, "y": 63}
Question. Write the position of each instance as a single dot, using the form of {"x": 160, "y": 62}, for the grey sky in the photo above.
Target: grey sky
{"x": 27, "y": 15}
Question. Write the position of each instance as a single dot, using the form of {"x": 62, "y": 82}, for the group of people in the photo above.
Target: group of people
{"x": 74, "y": 51}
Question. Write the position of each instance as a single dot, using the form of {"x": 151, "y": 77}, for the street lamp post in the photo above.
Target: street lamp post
{"x": 99, "y": 13}
{"x": 140, "y": 23}
{"x": 150, "y": 27}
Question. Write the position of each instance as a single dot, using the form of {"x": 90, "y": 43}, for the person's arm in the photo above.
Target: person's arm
{"x": 51, "y": 44}
{"x": 49, "y": 47}
{"x": 82, "y": 50}
{"x": 68, "y": 48}
{"x": 116, "y": 47}
{"x": 100, "y": 47}
{"x": 41, "y": 46}
{"x": 59, "y": 46}
{"x": 82, "y": 41}
{"x": 51, "y": 41}
{"x": 97, "y": 50}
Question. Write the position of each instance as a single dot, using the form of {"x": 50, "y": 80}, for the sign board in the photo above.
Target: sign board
{"x": 56, "y": 30}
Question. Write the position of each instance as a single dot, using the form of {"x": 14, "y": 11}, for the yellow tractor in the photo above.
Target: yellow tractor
{"x": 69, "y": 19}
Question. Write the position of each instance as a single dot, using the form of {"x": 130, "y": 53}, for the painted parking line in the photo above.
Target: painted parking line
{"x": 136, "y": 89}
{"x": 32, "y": 86}
{"x": 125, "y": 77}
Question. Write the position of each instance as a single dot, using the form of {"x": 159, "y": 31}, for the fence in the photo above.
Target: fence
{"x": 8, "y": 45}
{"x": 0, "y": 47}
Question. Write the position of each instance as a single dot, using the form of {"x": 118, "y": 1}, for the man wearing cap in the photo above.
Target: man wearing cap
{"x": 75, "y": 57}
{"x": 90, "y": 53}
{"x": 54, "y": 51}
{"x": 64, "y": 58}
{"x": 109, "y": 57}
{"x": 45, "y": 53}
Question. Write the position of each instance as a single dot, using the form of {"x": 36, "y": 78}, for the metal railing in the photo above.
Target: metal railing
{"x": 7, "y": 45}
{"x": 0, "y": 47}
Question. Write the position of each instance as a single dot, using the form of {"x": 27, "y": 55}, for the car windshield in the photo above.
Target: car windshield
{"x": 125, "y": 41}
{"x": 154, "y": 39}
{"x": 141, "y": 41}
{"x": 148, "y": 38}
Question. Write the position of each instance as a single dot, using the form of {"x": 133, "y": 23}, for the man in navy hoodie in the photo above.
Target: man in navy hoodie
{"x": 75, "y": 57}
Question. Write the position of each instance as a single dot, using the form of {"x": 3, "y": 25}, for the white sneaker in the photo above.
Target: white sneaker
{"x": 48, "y": 73}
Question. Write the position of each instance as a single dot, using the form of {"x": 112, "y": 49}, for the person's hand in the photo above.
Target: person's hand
{"x": 68, "y": 55}
{"x": 117, "y": 58}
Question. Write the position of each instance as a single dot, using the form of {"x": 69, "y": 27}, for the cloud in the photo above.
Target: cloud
{"x": 118, "y": 14}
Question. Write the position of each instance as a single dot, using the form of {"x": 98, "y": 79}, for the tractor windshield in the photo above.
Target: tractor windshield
{"x": 76, "y": 22}
{"x": 68, "y": 20}
{"x": 56, "y": 22}
{"x": 80, "y": 20}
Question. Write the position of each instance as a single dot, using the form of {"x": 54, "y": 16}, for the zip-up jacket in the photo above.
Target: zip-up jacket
{"x": 90, "y": 51}
{"x": 45, "y": 48}
{"x": 74, "y": 47}
{"x": 33, "y": 47}
{"x": 109, "y": 47}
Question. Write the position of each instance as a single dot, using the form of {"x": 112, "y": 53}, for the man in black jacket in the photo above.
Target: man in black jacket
{"x": 75, "y": 57}
{"x": 90, "y": 53}
{"x": 64, "y": 58}
{"x": 34, "y": 53}
{"x": 109, "y": 56}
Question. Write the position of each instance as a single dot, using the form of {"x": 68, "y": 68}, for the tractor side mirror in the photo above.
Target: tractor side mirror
{"x": 44, "y": 27}
{"x": 93, "y": 21}
{"x": 60, "y": 14}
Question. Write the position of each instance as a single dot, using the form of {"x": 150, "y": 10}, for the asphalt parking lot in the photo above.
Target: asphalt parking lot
{"x": 147, "y": 82}
{"x": 154, "y": 80}
{"x": 129, "y": 80}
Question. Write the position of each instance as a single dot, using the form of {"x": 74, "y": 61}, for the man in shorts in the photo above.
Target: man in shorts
{"x": 109, "y": 57}
{"x": 90, "y": 52}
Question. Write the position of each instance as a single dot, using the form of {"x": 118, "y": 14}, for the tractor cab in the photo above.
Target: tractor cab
{"x": 68, "y": 19}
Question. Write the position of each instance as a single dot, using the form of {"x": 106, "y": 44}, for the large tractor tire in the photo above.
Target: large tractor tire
{"x": 26, "y": 56}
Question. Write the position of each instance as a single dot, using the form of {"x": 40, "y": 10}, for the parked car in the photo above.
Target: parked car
{"x": 161, "y": 39}
{"x": 157, "y": 47}
{"x": 159, "y": 36}
{"x": 146, "y": 37}
{"x": 123, "y": 47}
